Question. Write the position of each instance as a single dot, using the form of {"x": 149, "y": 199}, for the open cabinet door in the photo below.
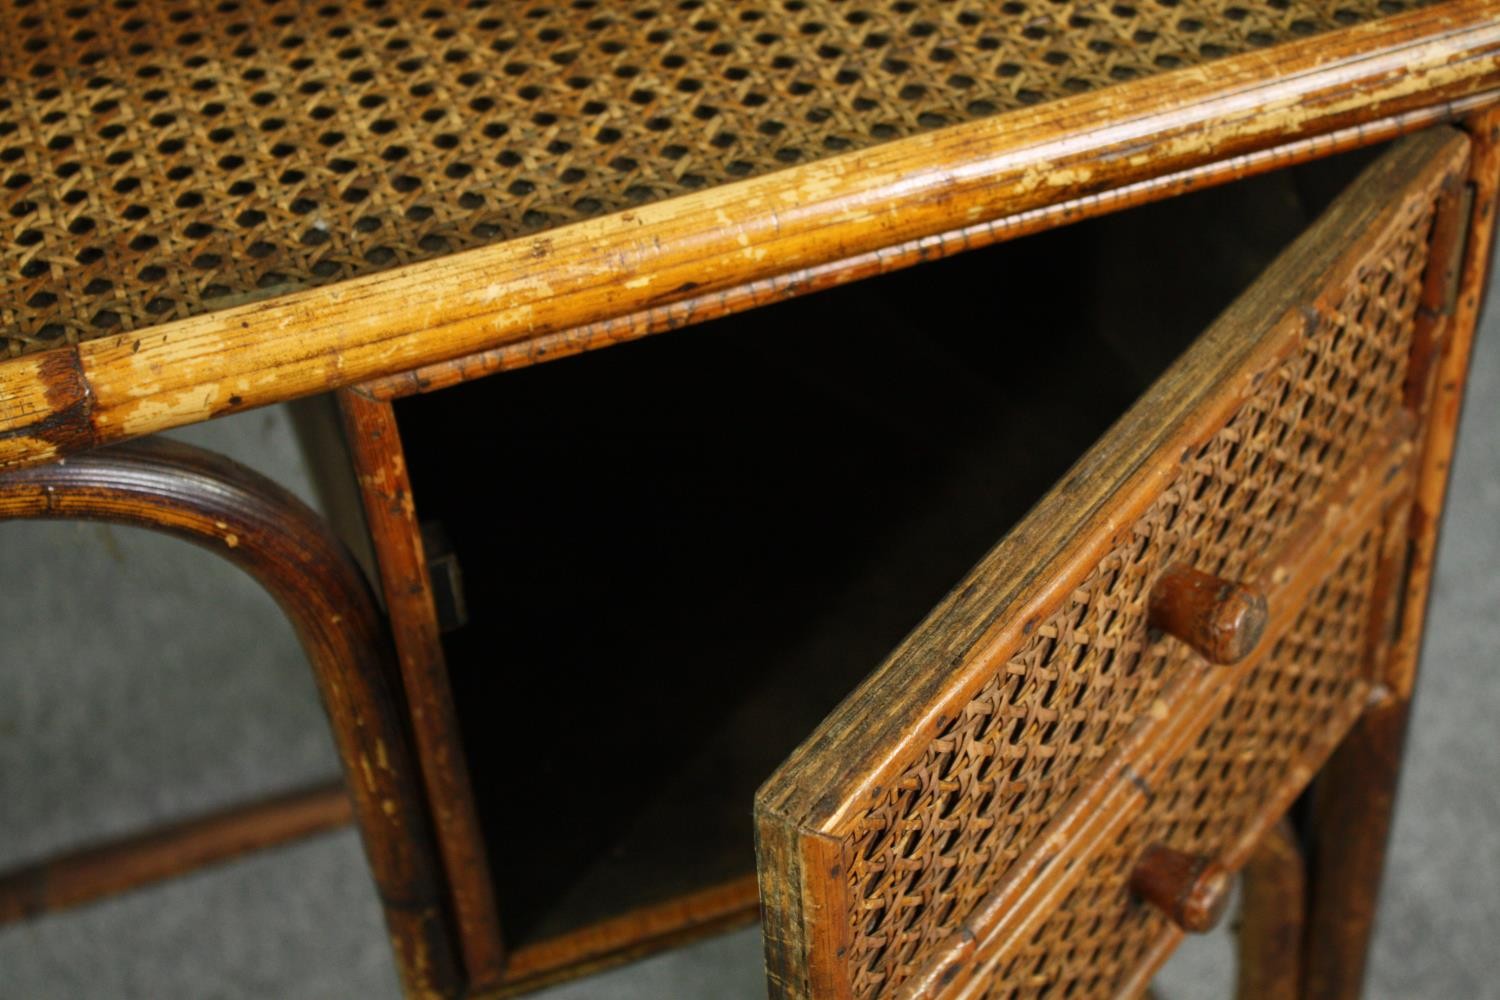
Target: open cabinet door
{"x": 969, "y": 822}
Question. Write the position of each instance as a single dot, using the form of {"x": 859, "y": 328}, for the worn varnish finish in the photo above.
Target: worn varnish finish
{"x": 698, "y": 309}
{"x": 179, "y": 372}
{"x": 808, "y": 812}
{"x": 380, "y": 465}
{"x": 261, "y": 528}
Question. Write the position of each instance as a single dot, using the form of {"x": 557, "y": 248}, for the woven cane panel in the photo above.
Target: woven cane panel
{"x": 162, "y": 158}
{"x": 922, "y": 856}
{"x": 1284, "y": 713}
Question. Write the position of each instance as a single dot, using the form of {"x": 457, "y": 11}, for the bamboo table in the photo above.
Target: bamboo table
{"x": 216, "y": 207}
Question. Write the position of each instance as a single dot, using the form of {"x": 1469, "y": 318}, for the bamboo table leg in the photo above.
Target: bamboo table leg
{"x": 1273, "y": 890}
{"x": 1354, "y": 804}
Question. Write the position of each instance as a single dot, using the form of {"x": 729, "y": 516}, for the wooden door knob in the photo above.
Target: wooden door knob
{"x": 1190, "y": 890}
{"x": 1220, "y": 619}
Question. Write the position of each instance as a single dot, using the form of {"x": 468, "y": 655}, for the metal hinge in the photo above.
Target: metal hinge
{"x": 445, "y": 577}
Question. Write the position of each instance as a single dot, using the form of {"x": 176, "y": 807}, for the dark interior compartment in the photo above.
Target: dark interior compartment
{"x": 679, "y": 554}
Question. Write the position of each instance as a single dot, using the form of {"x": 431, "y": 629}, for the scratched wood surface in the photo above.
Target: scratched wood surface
{"x": 123, "y": 385}
{"x": 380, "y": 465}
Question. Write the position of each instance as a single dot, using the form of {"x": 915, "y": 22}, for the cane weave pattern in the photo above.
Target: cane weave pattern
{"x": 1283, "y": 719}
{"x": 163, "y": 158}
{"x": 923, "y": 855}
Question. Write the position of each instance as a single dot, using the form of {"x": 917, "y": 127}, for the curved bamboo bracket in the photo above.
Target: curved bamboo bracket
{"x": 248, "y": 520}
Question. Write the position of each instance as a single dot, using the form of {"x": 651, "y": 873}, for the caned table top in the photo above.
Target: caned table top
{"x": 215, "y": 205}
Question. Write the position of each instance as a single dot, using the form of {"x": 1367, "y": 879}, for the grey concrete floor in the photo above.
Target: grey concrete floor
{"x": 143, "y": 681}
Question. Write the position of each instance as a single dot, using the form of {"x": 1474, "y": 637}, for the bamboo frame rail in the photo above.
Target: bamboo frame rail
{"x": 92, "y": 873}
{"x": 753, "y": 295}
{"x": 390, "y": 509}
